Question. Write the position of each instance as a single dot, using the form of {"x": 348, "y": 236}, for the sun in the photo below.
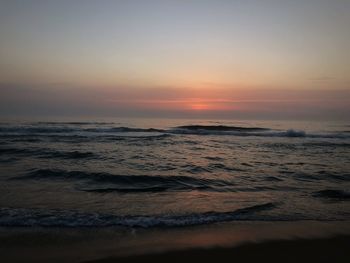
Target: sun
{"x": 199, "y": 106}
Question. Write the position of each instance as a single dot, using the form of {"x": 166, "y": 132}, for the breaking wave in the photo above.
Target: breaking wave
{"x": 76, "y": 129}
{"x": 50, "y": 218}
{"x": 220, "y": 128}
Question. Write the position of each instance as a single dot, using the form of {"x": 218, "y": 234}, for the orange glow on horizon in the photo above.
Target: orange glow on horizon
{"x": 210, "y": 104}
{"x": 192, "y": 104}
{"x": 200, "y": 106}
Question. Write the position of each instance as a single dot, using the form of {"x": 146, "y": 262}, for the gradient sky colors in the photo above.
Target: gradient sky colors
{"x": 262, "y": 58}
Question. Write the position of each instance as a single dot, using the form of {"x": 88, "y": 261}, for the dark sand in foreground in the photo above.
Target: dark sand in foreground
{"x": 336, "y": 249}
{"x": 303, "y": 241}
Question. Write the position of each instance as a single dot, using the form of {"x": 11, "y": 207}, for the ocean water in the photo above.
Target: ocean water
{"x": 159, "y": 172}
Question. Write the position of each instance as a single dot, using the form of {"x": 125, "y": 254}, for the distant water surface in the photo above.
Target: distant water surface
{"x": 160, "y": 172}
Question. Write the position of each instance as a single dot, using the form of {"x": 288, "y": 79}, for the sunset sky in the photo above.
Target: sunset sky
{"x": 231, "y": 59}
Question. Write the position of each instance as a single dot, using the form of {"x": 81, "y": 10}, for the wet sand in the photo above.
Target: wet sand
{"x": 303, "y": 241}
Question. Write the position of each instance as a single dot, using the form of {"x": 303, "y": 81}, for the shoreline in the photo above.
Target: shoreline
{"x": 240, "y": 239}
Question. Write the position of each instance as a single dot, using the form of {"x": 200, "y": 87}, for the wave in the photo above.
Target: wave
{"x": 123, "y": 129}
{"x": 247, "y": 131}
{"x": 292, "y": 146}
{"x": 321, "y": 175}
{"x": 220, "y": 128}
{"x": 150, "y": 189}
{"x": 14, "y": 151}
{"x": 71, "y": 123}
{"x": 294, "y": 133}
{"x": 327, "y": 144}
{"x": 302, "y": 134}
{"x": 105, "y": 182}
{"x": 102, "y": 130}
{"x": 37, "y": 129}
{"x": 64, "y": 129}
{"x": 139, "y": 137}
{"x": 50, "y": 218}
{"x": 236, "y": 130}
{"x": 221, "y": 166}
{"x": 333, "y": 194}
{"x": 48, "y": 153}
{"x": 72, "y": 155}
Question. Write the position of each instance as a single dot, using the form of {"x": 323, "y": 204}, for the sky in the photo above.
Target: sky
{"x": 273, "y": 59}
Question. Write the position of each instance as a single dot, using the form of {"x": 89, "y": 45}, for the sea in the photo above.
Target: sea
{"x": 144, "y": 173}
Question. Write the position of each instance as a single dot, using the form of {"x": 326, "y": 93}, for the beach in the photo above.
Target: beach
{"x": 304, "y": 241}
{"x": 137, "y": 190}
{"x": 174, "y": 131}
